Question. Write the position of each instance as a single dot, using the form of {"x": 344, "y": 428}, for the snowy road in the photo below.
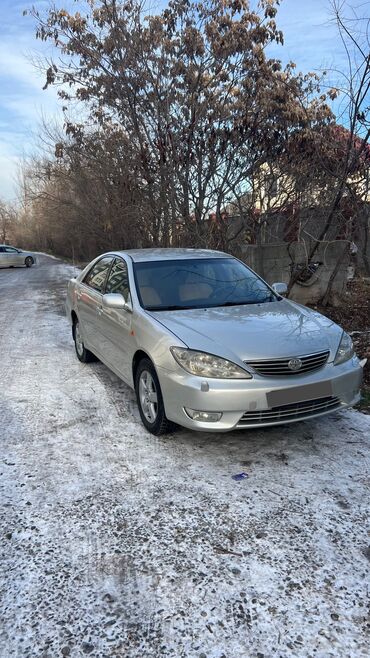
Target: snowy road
{"x": 117, "y": 544}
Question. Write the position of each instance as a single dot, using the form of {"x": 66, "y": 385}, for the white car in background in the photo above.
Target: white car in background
{"x": 13, "y": 257}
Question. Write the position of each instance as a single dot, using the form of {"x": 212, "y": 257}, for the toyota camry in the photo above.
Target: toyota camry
{"x": 206, "y": 343}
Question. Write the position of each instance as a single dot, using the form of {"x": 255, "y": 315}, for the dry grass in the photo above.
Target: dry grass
{"x": 354, "y": 316}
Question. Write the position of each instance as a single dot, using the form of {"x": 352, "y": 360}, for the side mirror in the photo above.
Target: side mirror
{"x": 116, "y": 301}
{"x": 280, "y": 288}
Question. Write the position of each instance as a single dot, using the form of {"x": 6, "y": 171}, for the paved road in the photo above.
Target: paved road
{"x": 116, "y": 544}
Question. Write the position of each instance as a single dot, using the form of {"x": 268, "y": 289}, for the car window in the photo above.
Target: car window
{"x": 1, "y": 250}
{"x": 118, "y": 279}
{"x": 96, "y": 277}
{"x": 198, "y": 283}
{"x": 10, "y": 250}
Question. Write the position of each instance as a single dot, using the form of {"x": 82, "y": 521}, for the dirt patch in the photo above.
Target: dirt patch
{"x": 354, "y": 316}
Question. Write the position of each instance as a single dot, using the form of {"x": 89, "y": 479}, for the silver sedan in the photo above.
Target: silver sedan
{"x": 206, "y": 343}
{"x": 13, "y": 257}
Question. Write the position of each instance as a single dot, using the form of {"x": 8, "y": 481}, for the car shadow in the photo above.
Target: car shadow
{"x": 244, "y": 447}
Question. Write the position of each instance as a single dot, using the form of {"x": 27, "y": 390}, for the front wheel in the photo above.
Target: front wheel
{"x": 83, "y": 355}
{"x": 29, "y": 261}
{"x": 149, "y": 399}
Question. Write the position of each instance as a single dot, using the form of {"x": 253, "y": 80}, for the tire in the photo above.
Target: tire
{"x": 29, "y": 261}
{"x": 151, "y": 410}
{"x": 84, "y": 355}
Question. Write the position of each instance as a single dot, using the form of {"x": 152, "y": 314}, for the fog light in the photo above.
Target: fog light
{"x": 205, "y": 416}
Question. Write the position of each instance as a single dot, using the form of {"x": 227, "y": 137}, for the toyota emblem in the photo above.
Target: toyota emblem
{"x": 295, "y": 364}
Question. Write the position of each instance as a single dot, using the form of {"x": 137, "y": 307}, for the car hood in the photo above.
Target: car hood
{"x": 257, "y": 331}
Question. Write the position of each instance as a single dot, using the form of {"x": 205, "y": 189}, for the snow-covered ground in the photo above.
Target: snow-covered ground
{"x": 117, "y": 544}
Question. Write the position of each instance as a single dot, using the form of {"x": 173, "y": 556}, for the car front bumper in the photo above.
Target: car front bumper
{"x": 249, "y": 403}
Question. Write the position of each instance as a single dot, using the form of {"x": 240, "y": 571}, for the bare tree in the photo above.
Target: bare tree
{"x": 198, "y": 105}
{"x": 343, "y": 152}
{"x": 7, "y": 221}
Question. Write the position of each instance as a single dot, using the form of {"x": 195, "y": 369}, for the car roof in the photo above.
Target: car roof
{"x": 145, "y": 255}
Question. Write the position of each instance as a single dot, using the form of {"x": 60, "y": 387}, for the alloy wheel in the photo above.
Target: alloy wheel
{"x": 78, "y": 340}
{"x": 148, "y": 396}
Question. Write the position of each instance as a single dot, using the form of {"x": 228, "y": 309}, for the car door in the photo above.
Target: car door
{"x": 2, "y": 257}
{"x": 20, "y": 257}
{"x": 89, "y": 304}
{"x": 116, "y": 324}
{"x": 11, "y": 256}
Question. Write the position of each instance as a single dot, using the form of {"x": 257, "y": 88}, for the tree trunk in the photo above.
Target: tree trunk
{"x": 327, "y": 296}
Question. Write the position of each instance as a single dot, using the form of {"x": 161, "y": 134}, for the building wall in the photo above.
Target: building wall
{"x": 274, "y": 263}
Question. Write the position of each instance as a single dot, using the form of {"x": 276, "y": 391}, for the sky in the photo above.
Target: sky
{"x": 311, "y": 41}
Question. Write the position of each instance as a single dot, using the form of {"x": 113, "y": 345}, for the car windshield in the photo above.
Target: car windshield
{"x": 198, "y": 283}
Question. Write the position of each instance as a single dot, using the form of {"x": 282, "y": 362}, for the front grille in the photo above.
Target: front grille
{"x": 280, "y": 367}
{"x": 289, "y": 411}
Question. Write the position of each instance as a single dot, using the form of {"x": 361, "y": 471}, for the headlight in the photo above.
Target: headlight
{"x": 345, "y": 349}
{"x": 207, "y": 365}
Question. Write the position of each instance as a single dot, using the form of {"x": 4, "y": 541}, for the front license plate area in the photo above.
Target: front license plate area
{"x": 299, "y": 394}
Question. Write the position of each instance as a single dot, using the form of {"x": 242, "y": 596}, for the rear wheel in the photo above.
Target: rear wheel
{"x": 29, "y": 261}
{"x": 83, "y": 355}
{"x": 149, "y": 399}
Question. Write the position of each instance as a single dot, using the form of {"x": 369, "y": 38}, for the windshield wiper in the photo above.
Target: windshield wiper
{"x": 178, "y": 307}
{"x": 244, "y": 303}
{"x": 174, "y": 307}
